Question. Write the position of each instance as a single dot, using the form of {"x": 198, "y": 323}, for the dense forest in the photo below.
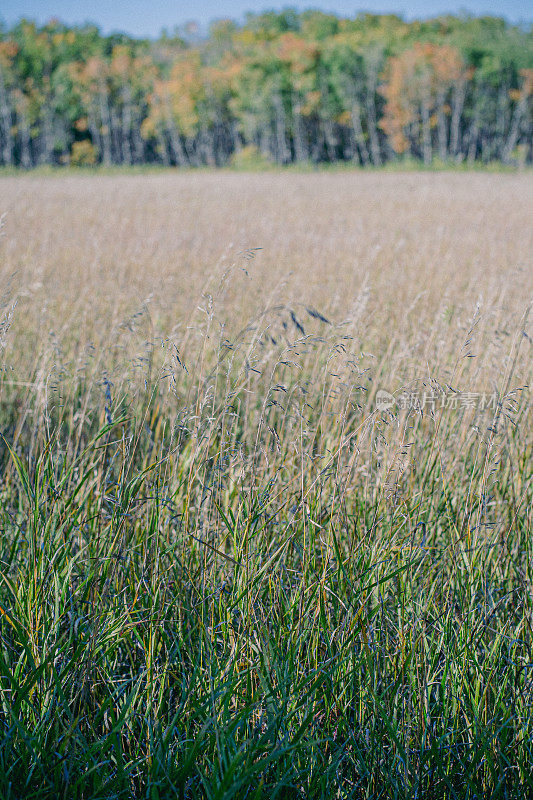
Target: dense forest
{"x": 283, "y": 87}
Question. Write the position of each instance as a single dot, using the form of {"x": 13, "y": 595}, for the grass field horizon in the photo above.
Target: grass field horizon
{"x": 267, "y": 485}
{"x": 253, "y": 165}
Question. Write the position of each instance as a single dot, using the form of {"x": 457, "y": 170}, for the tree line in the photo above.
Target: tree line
{"x": 283, "y": 87}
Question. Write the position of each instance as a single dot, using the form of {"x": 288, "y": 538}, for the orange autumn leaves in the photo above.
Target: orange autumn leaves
{"x": 416, "y": 85}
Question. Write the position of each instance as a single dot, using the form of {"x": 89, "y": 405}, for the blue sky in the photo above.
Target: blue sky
{"x": 148, "y": 17}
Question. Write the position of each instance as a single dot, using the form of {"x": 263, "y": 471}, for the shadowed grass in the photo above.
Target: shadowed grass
{"x": 232, "y": 611}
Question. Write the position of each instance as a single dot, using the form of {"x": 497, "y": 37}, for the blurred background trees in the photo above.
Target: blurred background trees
{"x": 287, "y": 87}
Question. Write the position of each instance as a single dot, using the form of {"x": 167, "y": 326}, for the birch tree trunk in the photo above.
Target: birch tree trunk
{"x": 373, "y": 130}
{"x": 473, "y": 137}
{"x": 126, "y": 126}
{"x": 426, "y": 132}
{"x": 94, "y": 130}
{"x": 138, "y": 144}
{"x": 177, "y": 147}
{"x": 105, "y": 122}
{"x": 519, "y": 112}
{"x": 47, "y": 149}
{"x": 300, "y": 145}
{"x": 458, "y": 102}
{"x": 162, "y": 147}
{"x": 8, "y": 144}
{"x": 282, "y": 154}
{"x": 25, "y": 140}
{"x": 174, "y": 135}
{"x": 371, "y": 113}
{"x": 441, "y": 128}
{"x": 330, "y": 139}
{"x": 359, "y": 135}
{"x": 117, "y": 155}
{"x": 502, "y": 119}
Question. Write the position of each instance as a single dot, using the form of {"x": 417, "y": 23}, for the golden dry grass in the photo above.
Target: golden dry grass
{"x": 420, "y": 251}
{"x": 92, "y": 248}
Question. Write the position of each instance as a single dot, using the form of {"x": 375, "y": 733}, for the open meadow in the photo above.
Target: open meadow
{"x": 266, "y": 485}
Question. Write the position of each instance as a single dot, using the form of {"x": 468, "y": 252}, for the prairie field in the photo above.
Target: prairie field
{"x": 266, "y": 485}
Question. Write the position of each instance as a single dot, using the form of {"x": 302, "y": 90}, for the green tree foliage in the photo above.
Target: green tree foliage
{"x": 293, "y": 87}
